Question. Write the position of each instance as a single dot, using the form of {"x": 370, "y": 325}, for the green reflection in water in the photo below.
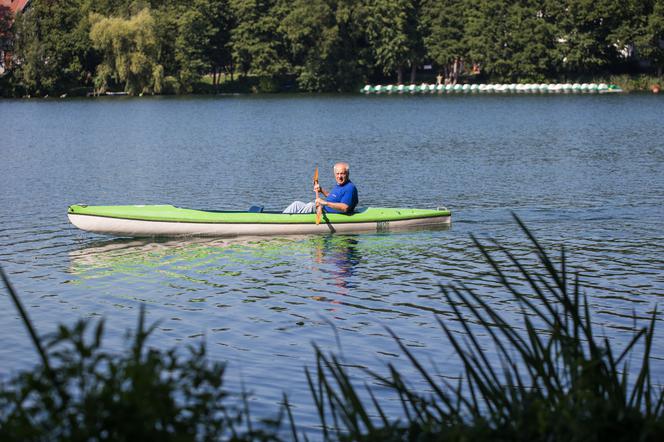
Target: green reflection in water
{"x": 126, "y": 255}
{"x": 206, "y": 256}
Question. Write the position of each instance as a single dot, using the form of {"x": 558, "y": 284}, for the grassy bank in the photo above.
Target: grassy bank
{"x": 634, "y": 83}
{"x": 558, "y": 379}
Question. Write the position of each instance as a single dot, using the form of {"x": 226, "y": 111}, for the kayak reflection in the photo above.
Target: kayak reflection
{"x": 138, "y": 255}
{"x": 338, "y": 257}
{"x": 277, "y": 272}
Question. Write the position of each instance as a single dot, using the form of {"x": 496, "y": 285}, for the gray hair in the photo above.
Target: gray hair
{"x": 346, "y": 166}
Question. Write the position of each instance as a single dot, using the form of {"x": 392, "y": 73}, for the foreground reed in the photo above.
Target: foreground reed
{"x": 82, "y": 393}
{"x": 558, "y": 380}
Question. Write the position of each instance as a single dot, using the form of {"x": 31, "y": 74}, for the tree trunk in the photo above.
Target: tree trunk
{"x": 400, "y": 75}
{"x": 457, "y": 67}
{"x": 413, "y": 71}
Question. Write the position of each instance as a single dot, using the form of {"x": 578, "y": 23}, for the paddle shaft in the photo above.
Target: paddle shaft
{"x": 319, "y": 209}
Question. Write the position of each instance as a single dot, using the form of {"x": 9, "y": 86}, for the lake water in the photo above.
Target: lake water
{"x": 583, "y": 171}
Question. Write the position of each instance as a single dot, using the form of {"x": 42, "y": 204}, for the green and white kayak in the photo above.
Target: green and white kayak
{"x": 167, "y": 220}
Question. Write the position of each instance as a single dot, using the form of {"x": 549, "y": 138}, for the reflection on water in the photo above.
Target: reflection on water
{"x": 342, "y": 254}
{"x": 131, "y": 256}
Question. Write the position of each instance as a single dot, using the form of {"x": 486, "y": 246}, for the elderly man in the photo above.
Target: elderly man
{"x": 341, "y": 199}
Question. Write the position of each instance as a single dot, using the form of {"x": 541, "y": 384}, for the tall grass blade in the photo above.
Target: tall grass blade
{"x": 291, "y": 421}
{"x": 34, "y": 337}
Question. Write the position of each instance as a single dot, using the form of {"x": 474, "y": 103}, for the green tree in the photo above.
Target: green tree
{"x": 52, "y": 47}
{"x": 444, "y": 23}
{"x": 129, "y": 48}
{"x": 257, "y": 45}
{"x": 531, "y": 43}
{"x": 6, "y": 40}
{"x": 587, "y": 32}
{"x": 194, "y": 32}
{"x": 395, "y": 35}
{"x": 325, "y": 39}
{"x": 650, "y": 36}
{"x": 488, "y": 38}
{"x": 218, "y": 52}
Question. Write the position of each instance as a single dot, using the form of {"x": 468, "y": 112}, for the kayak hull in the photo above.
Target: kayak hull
{"x": 169, "y": 221}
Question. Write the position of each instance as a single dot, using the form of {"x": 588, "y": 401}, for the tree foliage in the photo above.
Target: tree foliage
{"x": 257, "y": 44}
{"x": 650, "y": 35}
{"x": 323, "y": 37}
{"x": 6, "y": 18}
{"x": 52, "y": 47}
{"x": 129, "y": 48}
{"x": 395, "y": 35}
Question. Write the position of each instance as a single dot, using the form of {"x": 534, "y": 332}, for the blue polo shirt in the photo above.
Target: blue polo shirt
{"x": 346, "y": 193}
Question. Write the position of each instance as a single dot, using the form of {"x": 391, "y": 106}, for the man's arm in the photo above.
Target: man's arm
{"x": 341, "y": 207}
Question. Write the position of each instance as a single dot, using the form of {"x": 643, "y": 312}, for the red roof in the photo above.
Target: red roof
{"x": 14, "y": 5}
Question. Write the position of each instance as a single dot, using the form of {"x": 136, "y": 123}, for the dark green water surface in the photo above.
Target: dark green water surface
{"x": 584, "y": 171}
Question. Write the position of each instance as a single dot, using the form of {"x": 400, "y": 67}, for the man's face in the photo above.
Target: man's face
{"x": 341, "y": 175}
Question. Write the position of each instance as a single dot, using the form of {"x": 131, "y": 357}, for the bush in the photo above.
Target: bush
{"x": 81, "y": 392}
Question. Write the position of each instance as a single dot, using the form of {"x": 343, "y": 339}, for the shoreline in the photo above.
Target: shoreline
{"x": 251, "y": 86}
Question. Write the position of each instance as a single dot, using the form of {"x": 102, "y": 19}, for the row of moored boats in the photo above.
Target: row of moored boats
{"x": 426, "y": 88}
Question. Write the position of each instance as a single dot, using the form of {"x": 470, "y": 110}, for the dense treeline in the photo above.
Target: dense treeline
{"x": 169, "y": 46}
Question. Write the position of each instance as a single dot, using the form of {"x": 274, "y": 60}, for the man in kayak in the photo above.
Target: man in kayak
{"x": 341, "y": 199}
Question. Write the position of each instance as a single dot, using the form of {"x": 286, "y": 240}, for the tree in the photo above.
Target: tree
{"x": 444, "y": 24}
{"x": 257, "y": 45}
{"x": 129, "y": 51}
{"x": 531, "y": 41}
{"x": 325, "y": 40}
{"x": 488, "y": 37}
{"x": 218, "y": 53}
{"x": 52, "y": 47}
{"x": 586, "y": 32}
{"x": 6, "y": 40}
{"x": 650, "y": 37}
{"x": 395, "y": 35}
{"x": 194, "y": 32}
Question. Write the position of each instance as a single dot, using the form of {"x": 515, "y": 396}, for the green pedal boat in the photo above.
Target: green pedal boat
{"x": 167, "y": 220}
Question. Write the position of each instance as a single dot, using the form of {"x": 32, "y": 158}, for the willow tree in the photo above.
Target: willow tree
{"x": 129, "y": 49}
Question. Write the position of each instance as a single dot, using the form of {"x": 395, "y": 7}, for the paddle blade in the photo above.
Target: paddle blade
{"x": 316, "y": 175}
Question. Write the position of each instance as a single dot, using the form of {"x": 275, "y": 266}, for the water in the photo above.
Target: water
{"x": 584, "y": 171}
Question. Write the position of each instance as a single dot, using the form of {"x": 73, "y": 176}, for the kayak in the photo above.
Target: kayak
{"x": 168, "y": 220}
